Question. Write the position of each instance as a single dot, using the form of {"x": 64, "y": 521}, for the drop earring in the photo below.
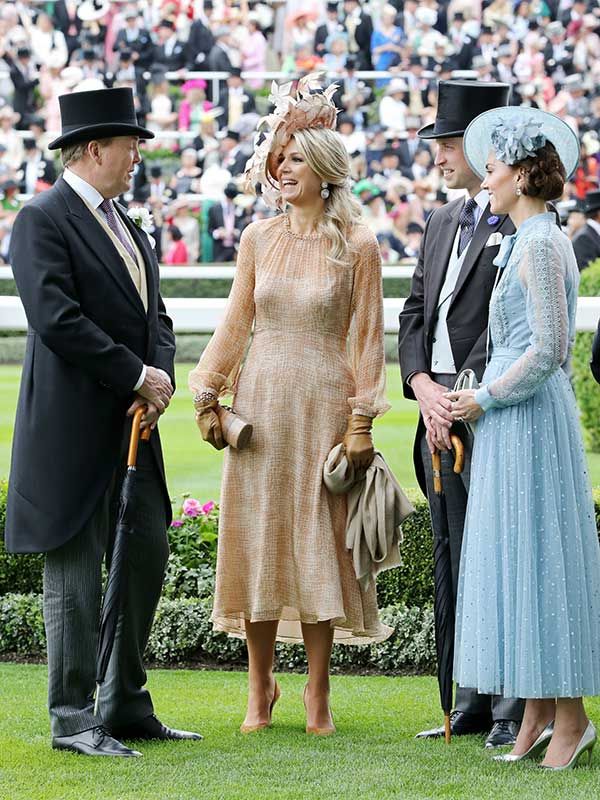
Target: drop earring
{"x": 324, "y": 190}
{"x": 518, "y": 191}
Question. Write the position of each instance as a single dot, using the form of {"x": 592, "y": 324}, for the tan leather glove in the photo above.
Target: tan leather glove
{"x": 208, "y": 422}
{"x": 358, "y": 442}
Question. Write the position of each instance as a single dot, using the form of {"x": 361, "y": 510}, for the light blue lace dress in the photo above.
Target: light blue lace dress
{"x": 528, "y": 606}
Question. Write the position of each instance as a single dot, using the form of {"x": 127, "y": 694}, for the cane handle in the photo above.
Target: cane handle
{"x": 459, "y": 453}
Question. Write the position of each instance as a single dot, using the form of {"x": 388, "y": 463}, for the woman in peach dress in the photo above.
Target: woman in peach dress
{"x": 309, "y": 280}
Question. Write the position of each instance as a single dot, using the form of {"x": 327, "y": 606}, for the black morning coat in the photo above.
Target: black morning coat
{"x": 87, "y": 341}
{"x": 467, "y": 318}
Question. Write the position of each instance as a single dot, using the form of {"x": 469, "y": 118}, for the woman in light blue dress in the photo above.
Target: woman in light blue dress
{"x": 528, "y": 608}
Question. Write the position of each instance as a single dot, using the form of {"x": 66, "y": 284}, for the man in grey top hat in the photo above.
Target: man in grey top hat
{"x": 443, "y": 330}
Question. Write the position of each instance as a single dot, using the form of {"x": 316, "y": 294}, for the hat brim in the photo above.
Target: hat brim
{"x": 104, "y": 131}
{"x": 428, "y": 132}
{"x": 478, "y": 136}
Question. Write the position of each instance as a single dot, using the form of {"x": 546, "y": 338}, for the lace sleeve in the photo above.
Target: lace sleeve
{"x": 543, "y": 275}
{"x": 221, "y": 361}
{"x": 366, "y": 337}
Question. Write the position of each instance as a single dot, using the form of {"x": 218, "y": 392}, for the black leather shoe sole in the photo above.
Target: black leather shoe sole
{"x": 83, "y": 749}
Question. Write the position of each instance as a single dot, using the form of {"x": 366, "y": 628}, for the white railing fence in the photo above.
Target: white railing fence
{"x": 201, "y": 314}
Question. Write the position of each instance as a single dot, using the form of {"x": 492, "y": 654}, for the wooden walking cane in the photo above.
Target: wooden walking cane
{"x": 442, "y": 573}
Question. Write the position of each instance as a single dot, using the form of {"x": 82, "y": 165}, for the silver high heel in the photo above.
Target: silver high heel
{"x": 535, "y": 750}
{"x": 586, "y": 745}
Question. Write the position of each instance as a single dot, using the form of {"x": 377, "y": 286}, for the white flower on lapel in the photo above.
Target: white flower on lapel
{"x": 494, "y": 239}
{"x": 141, "y": 217}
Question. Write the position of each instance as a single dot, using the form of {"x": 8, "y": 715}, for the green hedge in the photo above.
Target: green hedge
{"x": 586, "y": 388}
{"x": 182, "y": 633}
{"x": 411, "y": 584}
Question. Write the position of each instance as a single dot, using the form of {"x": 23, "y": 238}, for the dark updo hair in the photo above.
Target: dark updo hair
{"x": 545, "y": 174}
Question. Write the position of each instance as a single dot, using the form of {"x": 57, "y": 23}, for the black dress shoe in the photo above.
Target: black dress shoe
{"x": 461, "y": 724}
{"x": 504, "y": 732}
{"x": 152, "y": 728}
{"x": 93, "y": 742}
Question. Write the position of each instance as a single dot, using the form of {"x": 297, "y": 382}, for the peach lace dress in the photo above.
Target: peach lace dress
{"x": 317, "y": 354}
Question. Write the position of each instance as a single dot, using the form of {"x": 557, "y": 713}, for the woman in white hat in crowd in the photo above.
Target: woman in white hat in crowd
{"x": 528, "y": 609}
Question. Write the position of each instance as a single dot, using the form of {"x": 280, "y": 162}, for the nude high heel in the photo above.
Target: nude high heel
{"x": 536, "y": 749}
{"x": 586, "y": 745}
{"x": 312, "y": 729}
{"x": 262, "y": 725}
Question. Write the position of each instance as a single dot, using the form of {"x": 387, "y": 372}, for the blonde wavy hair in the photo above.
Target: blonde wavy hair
{"x": 326, "y": 155}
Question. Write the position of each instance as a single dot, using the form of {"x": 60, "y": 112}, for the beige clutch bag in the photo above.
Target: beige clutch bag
{"x": 236, "y": 432}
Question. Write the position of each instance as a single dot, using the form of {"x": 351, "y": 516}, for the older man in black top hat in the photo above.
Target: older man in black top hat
{"x": 443, "y": 330}
{"x": 586, "y": 242}
{"x": 100, "y": 344}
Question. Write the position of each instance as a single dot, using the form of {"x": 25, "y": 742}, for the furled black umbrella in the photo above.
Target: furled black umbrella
{"x": 444, "y": 601}
{"x": 117, "y": 574}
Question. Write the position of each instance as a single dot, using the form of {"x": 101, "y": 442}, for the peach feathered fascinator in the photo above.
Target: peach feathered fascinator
{"x": 291, "y": 114}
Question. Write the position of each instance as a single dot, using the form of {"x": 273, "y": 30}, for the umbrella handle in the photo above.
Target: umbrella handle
{"x": 459, "y": 453}
{"x": 135, "y": 435}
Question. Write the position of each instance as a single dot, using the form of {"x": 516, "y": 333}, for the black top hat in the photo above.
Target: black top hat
{"x": 231, "y": 191}
{"x": 96, "y": 115}
{"x": 592, "y": 202}
{"x": 459, "y": 102}
{"x": 230, "y": 134}
{"x": 235, "y": 72}
{"x": 29, "y": 144}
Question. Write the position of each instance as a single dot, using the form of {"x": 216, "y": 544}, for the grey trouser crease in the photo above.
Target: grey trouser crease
{"x": 456, "y": 489}
{"x": 72, "y": 602}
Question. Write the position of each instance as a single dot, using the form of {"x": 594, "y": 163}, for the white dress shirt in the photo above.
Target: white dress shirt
{"x": 93, "y": 197}
{"x": 442, "y": 359}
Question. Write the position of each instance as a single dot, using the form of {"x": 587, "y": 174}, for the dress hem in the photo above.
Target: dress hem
{"x": 231, "y": 623}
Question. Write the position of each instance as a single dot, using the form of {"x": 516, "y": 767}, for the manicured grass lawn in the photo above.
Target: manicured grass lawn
{"x": 193, "y": 466}
{"x": 373, "y": 757}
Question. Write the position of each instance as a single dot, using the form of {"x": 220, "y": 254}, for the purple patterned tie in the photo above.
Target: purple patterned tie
{"x": 467, "y": 224}
{"x": 107, "y": 207}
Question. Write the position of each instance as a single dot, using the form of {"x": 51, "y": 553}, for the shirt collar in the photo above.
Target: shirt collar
{"x": 84, "y": 189}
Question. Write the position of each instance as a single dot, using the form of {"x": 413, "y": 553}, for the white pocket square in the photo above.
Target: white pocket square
{"x": 494, "y": 239}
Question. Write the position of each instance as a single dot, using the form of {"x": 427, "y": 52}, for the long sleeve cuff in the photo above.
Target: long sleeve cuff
{"x": 141, "y": 379}
{"x": 484, "y": 398}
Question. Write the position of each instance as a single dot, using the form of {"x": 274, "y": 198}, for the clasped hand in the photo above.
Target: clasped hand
{"x": 157, "y": 388}
{"x": 464, "y": 406}
{"x": 441, "y": 408}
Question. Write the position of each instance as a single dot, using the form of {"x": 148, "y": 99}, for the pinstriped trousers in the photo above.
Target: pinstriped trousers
{"x": 456, "y": 489}
{"x": 72, "y": 602}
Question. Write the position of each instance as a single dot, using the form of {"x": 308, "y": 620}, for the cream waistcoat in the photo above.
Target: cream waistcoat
{"x": 137, "y": 271}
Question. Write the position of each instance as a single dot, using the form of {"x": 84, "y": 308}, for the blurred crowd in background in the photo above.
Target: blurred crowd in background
{"x": 387, "y": 58}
